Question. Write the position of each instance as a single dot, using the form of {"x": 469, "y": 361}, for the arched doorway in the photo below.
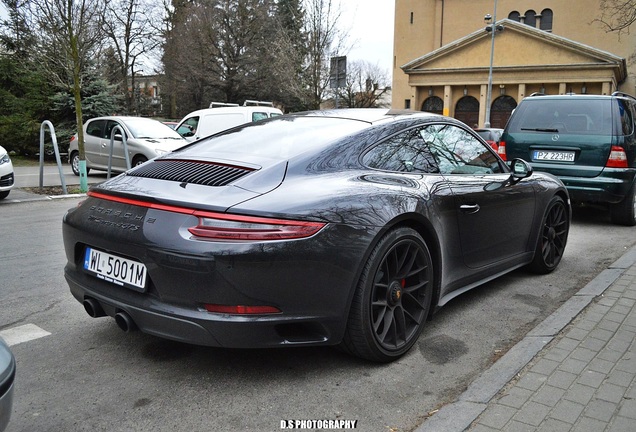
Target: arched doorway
{"x": 501, "y": 110}
{"x": 467, "y": 110}
{"x": 434, "y": 105}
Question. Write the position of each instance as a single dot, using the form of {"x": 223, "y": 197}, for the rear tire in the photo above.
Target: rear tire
{"x": 392, "y": 299}
{"x": 624, "y": 213}
{"x": 138, "y": 160}
{"x": 75, "y": 160}
{"x": 552, "y": 238}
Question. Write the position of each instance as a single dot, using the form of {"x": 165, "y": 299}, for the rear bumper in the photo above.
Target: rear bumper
{"x": 610, "y": 186}
{"x": 200, "y": 327}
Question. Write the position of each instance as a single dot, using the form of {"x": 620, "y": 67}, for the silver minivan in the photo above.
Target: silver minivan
{"x": 146, "y": 138}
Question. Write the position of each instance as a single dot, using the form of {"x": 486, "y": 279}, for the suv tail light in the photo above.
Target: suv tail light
{"x": 502, "y": 150}
{"x": 617, "y": 158}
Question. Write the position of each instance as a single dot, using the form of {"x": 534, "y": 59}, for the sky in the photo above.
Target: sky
{"x": 370, "y": 24}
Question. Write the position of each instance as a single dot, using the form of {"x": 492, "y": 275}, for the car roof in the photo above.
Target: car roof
{"x": 370, "y": 115}
{"x": 123, "y": 118}
{"x": 540, "y": 96}
{"x": 234, "y": 109}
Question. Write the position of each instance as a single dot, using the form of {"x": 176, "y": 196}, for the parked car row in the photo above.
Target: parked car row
{"x": 147, "y": 138}
{"x": 365, "y": 228}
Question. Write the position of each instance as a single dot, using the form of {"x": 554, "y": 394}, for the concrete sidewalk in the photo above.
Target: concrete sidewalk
{"x": 576, "y": 371}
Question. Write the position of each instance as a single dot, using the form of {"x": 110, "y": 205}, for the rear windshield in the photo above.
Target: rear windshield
{"x": 568, "y": 116}
{"x": 280, "y": 138}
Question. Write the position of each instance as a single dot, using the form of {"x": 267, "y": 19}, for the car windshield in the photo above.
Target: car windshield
{"x": 280, "y": 138}
{"x": 594, "y": 117}
{"x": 150, "y": 129}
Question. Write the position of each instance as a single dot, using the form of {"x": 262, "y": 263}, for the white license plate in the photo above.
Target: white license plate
{"x": 566, "y": 156}
{"x": 115, "y": 269}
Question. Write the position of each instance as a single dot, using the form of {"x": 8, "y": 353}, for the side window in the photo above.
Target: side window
{"x": 95, "y": 128}
{"x": 405, "y": 152}
{"x": 109, "y": 129}
{"x": 459, "y": 152}
{"x": 189, "y": 127}
{"x": 256, "y": 116}
{"x": 627, "y": 119}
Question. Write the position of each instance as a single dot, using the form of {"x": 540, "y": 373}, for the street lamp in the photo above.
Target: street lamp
{"x": 493, "y": 28}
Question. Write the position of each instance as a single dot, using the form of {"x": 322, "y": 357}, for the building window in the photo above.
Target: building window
{"x": 467, "y": 110}
{"x": 433, "y": 104}
{"x": 546, "y": 20}
{"x": 514, "y": 16}
{"x": 411, "y": 17}
{"x": 407, "y": 103}
{"x": 530, "y": 18}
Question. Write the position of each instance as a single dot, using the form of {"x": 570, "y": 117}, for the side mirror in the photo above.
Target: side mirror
{"x": 520, "y": 169}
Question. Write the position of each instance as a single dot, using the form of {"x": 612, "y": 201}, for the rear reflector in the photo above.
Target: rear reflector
{"x": 617, "y": 158}
{"x": 242, "y": 310}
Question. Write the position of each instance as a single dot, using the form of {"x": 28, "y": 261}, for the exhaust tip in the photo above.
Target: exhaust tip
{"x": 93, "y": 308}
{"x": 125, "y": 322}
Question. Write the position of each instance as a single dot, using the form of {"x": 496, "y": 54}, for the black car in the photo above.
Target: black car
{"x": 588, "y": 141}
{"x": 346, "y": 227}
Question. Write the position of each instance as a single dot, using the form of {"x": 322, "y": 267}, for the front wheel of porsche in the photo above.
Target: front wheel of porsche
{"x": 392, "y": 299}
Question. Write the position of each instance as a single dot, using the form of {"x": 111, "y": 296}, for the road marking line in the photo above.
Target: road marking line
{"x": 24, "y": 333}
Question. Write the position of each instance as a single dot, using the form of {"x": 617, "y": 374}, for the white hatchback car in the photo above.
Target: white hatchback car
{"x": 7, "y": 179}
{"x": 146, "y": 138}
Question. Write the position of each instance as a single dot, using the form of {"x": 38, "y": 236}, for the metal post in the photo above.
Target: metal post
{"x": 57, "y": 155}
{"x": 493, "y": 30}
{"x": 112, "y": 144}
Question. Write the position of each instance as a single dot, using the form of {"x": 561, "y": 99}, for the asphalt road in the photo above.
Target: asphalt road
{"x": 76, "y": 373}
{"x": 29, "y": 176}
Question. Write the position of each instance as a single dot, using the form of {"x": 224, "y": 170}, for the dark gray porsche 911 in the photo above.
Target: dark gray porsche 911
{"x": 346, "y": 227}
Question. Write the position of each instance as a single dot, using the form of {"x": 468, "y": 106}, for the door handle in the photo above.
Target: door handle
{"x": 469, "y": 208}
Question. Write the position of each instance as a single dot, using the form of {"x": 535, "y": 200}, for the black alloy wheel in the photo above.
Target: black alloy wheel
{"x": 553, "y": 237}
{"x": 393, "y": 298}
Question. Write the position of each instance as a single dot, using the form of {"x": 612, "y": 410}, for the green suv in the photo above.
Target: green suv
{"x": 588, "y": 141}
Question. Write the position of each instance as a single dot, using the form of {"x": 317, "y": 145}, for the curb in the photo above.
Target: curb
{"x": 20, "y": 196}
{"x": 459, "y": 415}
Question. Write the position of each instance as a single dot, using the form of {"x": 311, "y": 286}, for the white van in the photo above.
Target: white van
{"x": 206, "y": 122}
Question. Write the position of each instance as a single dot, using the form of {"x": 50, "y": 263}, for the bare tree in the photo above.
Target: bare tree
{"x": 70, "y": 33}
{"x": 324, "y": 40}
{"x": 617, "y": 15}
{"x": 366, "y": 85}
{"x": 128, "y": 25}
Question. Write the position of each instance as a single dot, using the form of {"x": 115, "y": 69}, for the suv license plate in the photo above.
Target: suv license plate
{"x": 561, "y": 156}
{"x": 115, "y": 269}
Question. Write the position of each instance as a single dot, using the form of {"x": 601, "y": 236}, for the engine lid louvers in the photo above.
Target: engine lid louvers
{"x": 188, "y": 171}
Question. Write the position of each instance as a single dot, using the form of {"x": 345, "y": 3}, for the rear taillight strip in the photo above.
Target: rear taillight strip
{"x": 244, "y": 228}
